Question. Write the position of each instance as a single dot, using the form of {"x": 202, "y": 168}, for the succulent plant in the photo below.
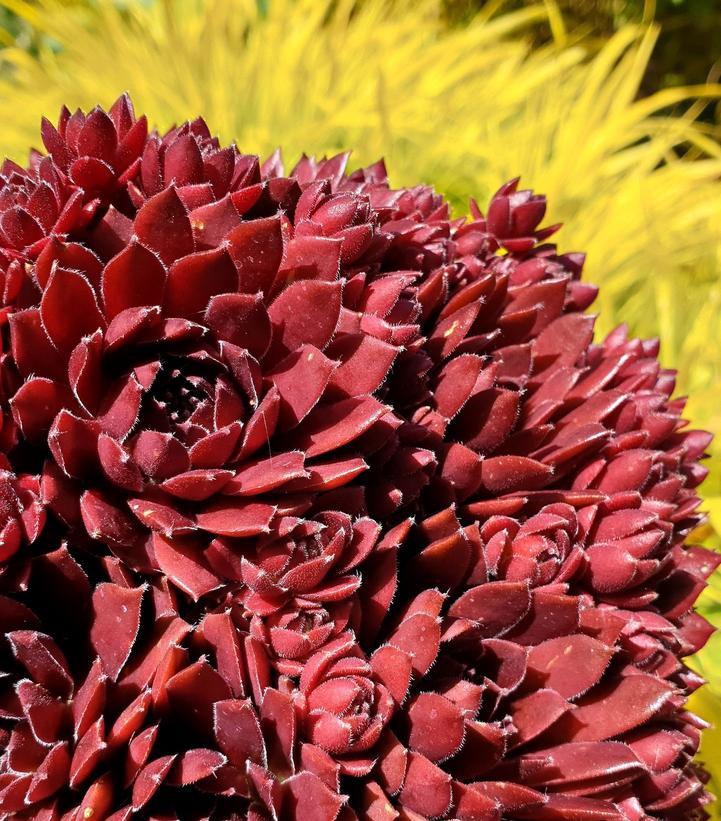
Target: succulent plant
{"x": 319, "y": 503}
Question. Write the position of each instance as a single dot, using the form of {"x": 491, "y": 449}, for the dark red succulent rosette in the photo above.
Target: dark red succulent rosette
{"x": 90, "y": 160}
{"x": 328, "y": 575}
{"x": 168, "y": 714}
{"x": 182, "y": 390}
{"x": 123, "y": 698}
{"x": 317, "y": 503}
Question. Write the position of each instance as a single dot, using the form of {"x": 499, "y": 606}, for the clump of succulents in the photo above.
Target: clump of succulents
{"x": 318, "y": 503}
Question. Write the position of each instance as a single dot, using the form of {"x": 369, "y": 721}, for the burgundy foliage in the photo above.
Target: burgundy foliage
{"x": 317, "y": 503}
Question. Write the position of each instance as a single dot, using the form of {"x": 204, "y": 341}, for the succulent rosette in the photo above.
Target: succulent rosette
{"x": 318, "y": 503}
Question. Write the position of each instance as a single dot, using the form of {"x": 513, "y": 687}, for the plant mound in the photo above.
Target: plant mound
{"x": 317, "y": 503}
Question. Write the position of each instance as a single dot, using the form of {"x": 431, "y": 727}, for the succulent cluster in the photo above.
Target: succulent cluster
{"x": 317, "y": 503}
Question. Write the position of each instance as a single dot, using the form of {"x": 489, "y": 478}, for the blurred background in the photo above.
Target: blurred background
{"x": 610, "y": 107}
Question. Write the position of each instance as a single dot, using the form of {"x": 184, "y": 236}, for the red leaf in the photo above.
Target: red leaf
{"x": 620, "y": 706}
{"x": 159, "y": 455}
{"x": 261, "y": 425}
{"x": 572, "y": 808}
{"x": 552, "y": 614}
{"x": 237, "y": 731}
{"x": 121, "y": 406}
{"x": 570, "y": 665}
{"x": 392, "y": 667}
{"x": 505, "y": 474}
{"x": 495, "y": 607}
{"x": 445, "y": 562}
{"x": 69, "y": 255}
{"x": 116, "y": 621}
{"x": 306, "y": 312}
{"x": 117, "y": 464}
{"x": 365, "y": 363}
{"x": 69, "y": 309}
{"x": 328, "y": 475}
{"x": 162, "y": 517}
{"x": 51, "y": 775}
{"x": 194, "y": 691}
{"x": 455, "y": 383}
{"x": 141, "y": 671}
{"x": 105, "y": 521}
{"x": 311, "y": 257}
{"x": 197, "y": 485}
{"x": 37, "y": 403}
{"x": 195, "y": 279}
{"x": 138, "y": 752}
{"x": 183, "y": 565}
{"x": 568, "y": 763}
{"x": 163, "y": 226}
{"x": 89, "y": 701}
{"x": 220, "y": 633}
{"x": 461, "y": 468}
{"x": 97, "y": 137}
{"x": 192, "y": 765}
{"x": 301, "y": 379}
{"x": 43, "y": 659}
{"x": 89, "y": 752}
{"x": 487, "y": 419}
{"x": 427, "y": 789}
{"x": 564, "y": 339}
{"x": 420, "y": 637}
{"x": 130, "y": 720}
{"x": 451, "y": 331}
{"x": 73, "y": 443}
{"x": 328, "y": 427}
{"x": 19, "y": 228}
{"x": 149, "y": 779}
{"x": 236, "y": 519}
{"x": 263, "y": 475}
{"x": 45, "y": 714}
{"x": 257, "y": 248}
{"x": 213, "y": 222}
{"x": 215, "y": 449}
{"x": 183, "y": 162}
{"x": 85, "y": 372}
{"x": 535, "y": 713}
{"x": 241, "y": 319}
{"x": 132, "y": 278}
{"x": 307, "y": 797}
{"x": 437, "y": 728}
{"x": 32, "y": 350}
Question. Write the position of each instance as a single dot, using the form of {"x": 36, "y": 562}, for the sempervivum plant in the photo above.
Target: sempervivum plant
{"x": 319, "y": 504}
